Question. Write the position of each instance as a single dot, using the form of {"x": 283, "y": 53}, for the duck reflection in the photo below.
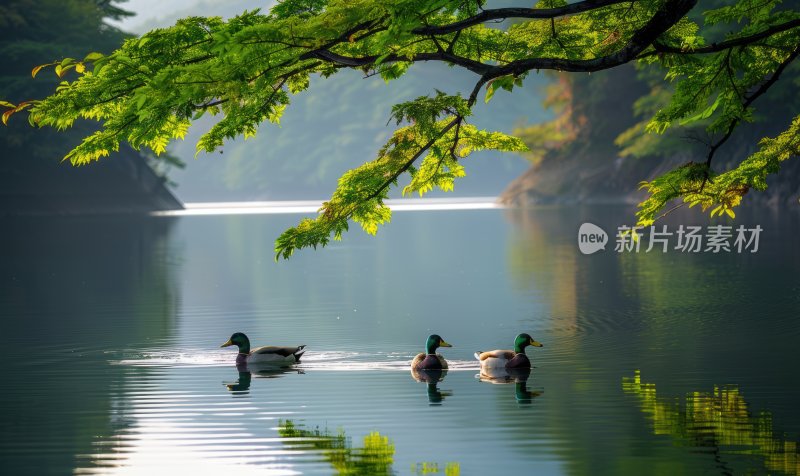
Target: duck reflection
{"x": 519, "y": 377}
{"x": 247, "y": 371}
{"x": 432, "y": 377}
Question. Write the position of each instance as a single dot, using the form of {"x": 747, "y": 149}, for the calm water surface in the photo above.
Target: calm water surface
{"x": 653, "y": 363}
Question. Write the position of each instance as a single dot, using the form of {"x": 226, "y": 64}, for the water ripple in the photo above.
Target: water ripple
{"x": 331, "y": 360}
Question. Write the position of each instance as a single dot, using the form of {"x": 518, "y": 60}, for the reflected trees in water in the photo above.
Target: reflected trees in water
{"x": 720, "y": 422}
{"x": 374, "y": 458}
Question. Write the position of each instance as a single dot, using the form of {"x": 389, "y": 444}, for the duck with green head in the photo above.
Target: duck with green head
{"x": 266, "y": 354}
{"x": 430, "y": 360}
{"x": 509, "y": 359}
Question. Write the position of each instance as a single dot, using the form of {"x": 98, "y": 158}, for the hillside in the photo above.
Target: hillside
{"x": 33, "y": 177}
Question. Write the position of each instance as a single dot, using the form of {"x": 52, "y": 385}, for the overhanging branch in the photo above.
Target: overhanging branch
{"x": 668, "y": 15}
{"x": 745, "y": 104}
{"x": 724, "y": 45}
{"x": 506, "y": 13}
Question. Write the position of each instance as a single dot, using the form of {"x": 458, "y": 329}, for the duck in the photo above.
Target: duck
{"x": 430, "y": 360}
{"x": 508, "y": 359}
{"x": 266, "y": 354}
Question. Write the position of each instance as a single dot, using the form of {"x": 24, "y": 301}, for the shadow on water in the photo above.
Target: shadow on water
{"x": 720, "y": 424}
{"x": 70, "y": 289}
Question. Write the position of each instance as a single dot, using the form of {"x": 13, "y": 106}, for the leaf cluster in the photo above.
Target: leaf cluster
{"x": 245, "y": 71}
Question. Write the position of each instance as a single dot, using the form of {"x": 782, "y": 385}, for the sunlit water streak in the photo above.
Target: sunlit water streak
{"x": 307, "y": 206}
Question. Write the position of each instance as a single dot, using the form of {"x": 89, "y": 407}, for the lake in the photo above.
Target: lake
{"x": 653, "y": 363}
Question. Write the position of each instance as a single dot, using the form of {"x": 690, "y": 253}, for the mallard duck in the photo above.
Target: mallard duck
{"x": 266, "y": 354}
{"x": 430, "y": 360}
{"x": 509, "y": 359}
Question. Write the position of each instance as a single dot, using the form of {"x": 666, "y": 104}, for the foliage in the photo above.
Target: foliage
{"x": 246, "y": 70}
{"x": 718, "y": 90}
{"x": 35, "y": 32}
{"x": 38, "y": 32}
{"x": 720, "y": 421}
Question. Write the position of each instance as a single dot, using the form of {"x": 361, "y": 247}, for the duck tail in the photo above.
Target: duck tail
{"x": 478, "y": 354}
{"x": 299, "y": 352}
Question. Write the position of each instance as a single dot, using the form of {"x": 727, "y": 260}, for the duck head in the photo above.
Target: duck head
{"x": 524, "y": 340}
{"x": 434, "y": 342}
{"x": 239, "y": 340}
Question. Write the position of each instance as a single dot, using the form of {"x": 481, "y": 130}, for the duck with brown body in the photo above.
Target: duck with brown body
{"x": 508, "y": 359}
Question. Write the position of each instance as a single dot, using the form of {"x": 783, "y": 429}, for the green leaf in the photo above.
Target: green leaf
{"x": 91, "y": 57}
{"x": 489, "y": 93}
{"x": 36, "y": 70}
{"x": 704, "y": 114}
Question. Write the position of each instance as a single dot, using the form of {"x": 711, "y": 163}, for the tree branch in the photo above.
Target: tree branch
{"x": 717, "y": 47}
{"x": 505, "y": 13}
{"x": 667, "y": 16}
{"x": 748, "y": 101}
{"x": 411, "y": 161}
{"x": 354, "y": 62}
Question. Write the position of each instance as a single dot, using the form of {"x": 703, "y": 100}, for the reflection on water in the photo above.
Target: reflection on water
{"x": 242, "y": 384}
{"x": 74, "y": 290}
{"x": 523, "y": 394}
{"x": 432, "y": 377}
{"x": 448, "y": 469}
{"x": 720, "y": 423}
{"x": 375, "y": 457}
{"x": 248, "y": 371}
{"x": 504, "y": 375}
{"x": 111, "y": 330}
{"x": 519, "y": 377}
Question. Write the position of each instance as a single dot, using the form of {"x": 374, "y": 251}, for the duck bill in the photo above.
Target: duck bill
{"x": 536, "y": 344}
{"x": 227, "y": 344}
{"x": 445, "y": 344}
